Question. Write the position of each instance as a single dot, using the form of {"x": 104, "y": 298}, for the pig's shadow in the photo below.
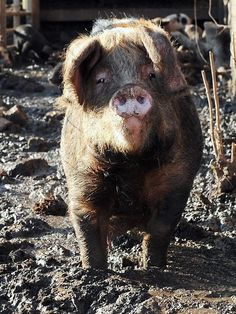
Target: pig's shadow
{"x": 198, "y": 268}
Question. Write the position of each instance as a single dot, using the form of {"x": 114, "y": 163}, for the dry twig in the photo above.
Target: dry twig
{"x": 233, "y": 153}
{"x": 224, "y": 169}
{"x": 209, "y": 12}
{"x": 234, "y": 47}
{"x": 208, "y": 94}
{"x": 218, "y": 134}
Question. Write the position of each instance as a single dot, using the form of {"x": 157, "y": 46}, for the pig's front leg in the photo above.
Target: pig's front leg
{"x": 161, "y": 226}
{"x": 91, "y": 231}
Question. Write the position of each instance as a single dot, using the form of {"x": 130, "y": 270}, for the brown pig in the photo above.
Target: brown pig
{"x": 131, "y": 142}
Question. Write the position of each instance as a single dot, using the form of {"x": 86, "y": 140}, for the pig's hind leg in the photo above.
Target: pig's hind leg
{"x": 155, "y": 245}
{"x": 161, "y": 227}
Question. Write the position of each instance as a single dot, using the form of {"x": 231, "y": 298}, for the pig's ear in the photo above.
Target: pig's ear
{"x": 81, "y": 56}
{"x": 161, "y": 53}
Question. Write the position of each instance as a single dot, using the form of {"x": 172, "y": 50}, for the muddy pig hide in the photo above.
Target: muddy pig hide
{"x": 131, "y": 142}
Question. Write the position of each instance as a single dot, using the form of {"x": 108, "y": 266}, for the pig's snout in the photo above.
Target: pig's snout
{"x": 131, "y": 101}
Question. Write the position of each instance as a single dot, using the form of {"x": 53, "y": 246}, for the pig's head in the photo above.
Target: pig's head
{"x": 123, "y": 79}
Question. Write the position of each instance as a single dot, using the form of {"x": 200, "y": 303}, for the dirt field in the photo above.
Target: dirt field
{"x": 40, "y": 270}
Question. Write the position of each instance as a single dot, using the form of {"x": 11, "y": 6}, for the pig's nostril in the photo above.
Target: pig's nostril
{"x": 141, "y": 99}
{"x": 122, "y": 100}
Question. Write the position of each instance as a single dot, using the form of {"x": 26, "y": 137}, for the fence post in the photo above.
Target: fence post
{"x": 35, "y": 9}
{"x": 232, "y": 23}
{"x": 3, "y": 23}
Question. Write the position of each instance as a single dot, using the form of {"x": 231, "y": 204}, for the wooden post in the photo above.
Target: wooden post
{"x": 233, "y": 153}
{"x": 232, "y": 22}
{"x": 27, "y": 6}
{"x": 35, "y": 13}
{"x": 16, "y": 18}
{"x": 3, "y": 23}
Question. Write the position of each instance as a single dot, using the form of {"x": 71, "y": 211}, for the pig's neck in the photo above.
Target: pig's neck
{"x": 150, "y": 156}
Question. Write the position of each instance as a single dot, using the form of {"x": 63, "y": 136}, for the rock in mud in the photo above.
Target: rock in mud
{"x": 3, "y": 107}
{"x": 37, "y": 144}
{"x": 8, "y": 126}
{"x": 16, "y": 115}
{"x": 4, "y": 177}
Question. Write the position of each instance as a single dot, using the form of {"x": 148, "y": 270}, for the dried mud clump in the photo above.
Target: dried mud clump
{"x": 51, "y": 205}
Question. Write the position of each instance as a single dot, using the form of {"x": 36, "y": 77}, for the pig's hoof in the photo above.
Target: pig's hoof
{"x": 160, "y": 263}
{"x": 161, "y": 266}
{"x": 94, "y": 264}
{"x": 157, "y": 262}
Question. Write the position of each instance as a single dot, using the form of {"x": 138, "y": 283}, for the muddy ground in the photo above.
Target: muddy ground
{"x": 40, "y": 269}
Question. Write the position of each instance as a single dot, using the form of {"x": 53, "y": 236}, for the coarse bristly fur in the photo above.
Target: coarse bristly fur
{"x": 142, "y": 180}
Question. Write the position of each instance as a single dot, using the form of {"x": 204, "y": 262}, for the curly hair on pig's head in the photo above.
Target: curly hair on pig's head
{"x": 85, "y": 51}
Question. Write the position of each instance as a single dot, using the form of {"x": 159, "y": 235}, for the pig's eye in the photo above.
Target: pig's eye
{"x": 152, "y": 76}
{"x": 100, "y": 80}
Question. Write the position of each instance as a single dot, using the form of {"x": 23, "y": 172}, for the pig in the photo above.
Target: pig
{"x": 217, "y": 39}
{"x": 194, "y": 32}
{"x": 31, "y": 43}
{"x": 131, "y": 140}
{"x": 181, "y": 18}
{"x": 169, "y": 25}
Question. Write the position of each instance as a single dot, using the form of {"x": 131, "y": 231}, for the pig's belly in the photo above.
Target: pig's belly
{"x": 128, "y": 207}
{"x": 127, "y": 196}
